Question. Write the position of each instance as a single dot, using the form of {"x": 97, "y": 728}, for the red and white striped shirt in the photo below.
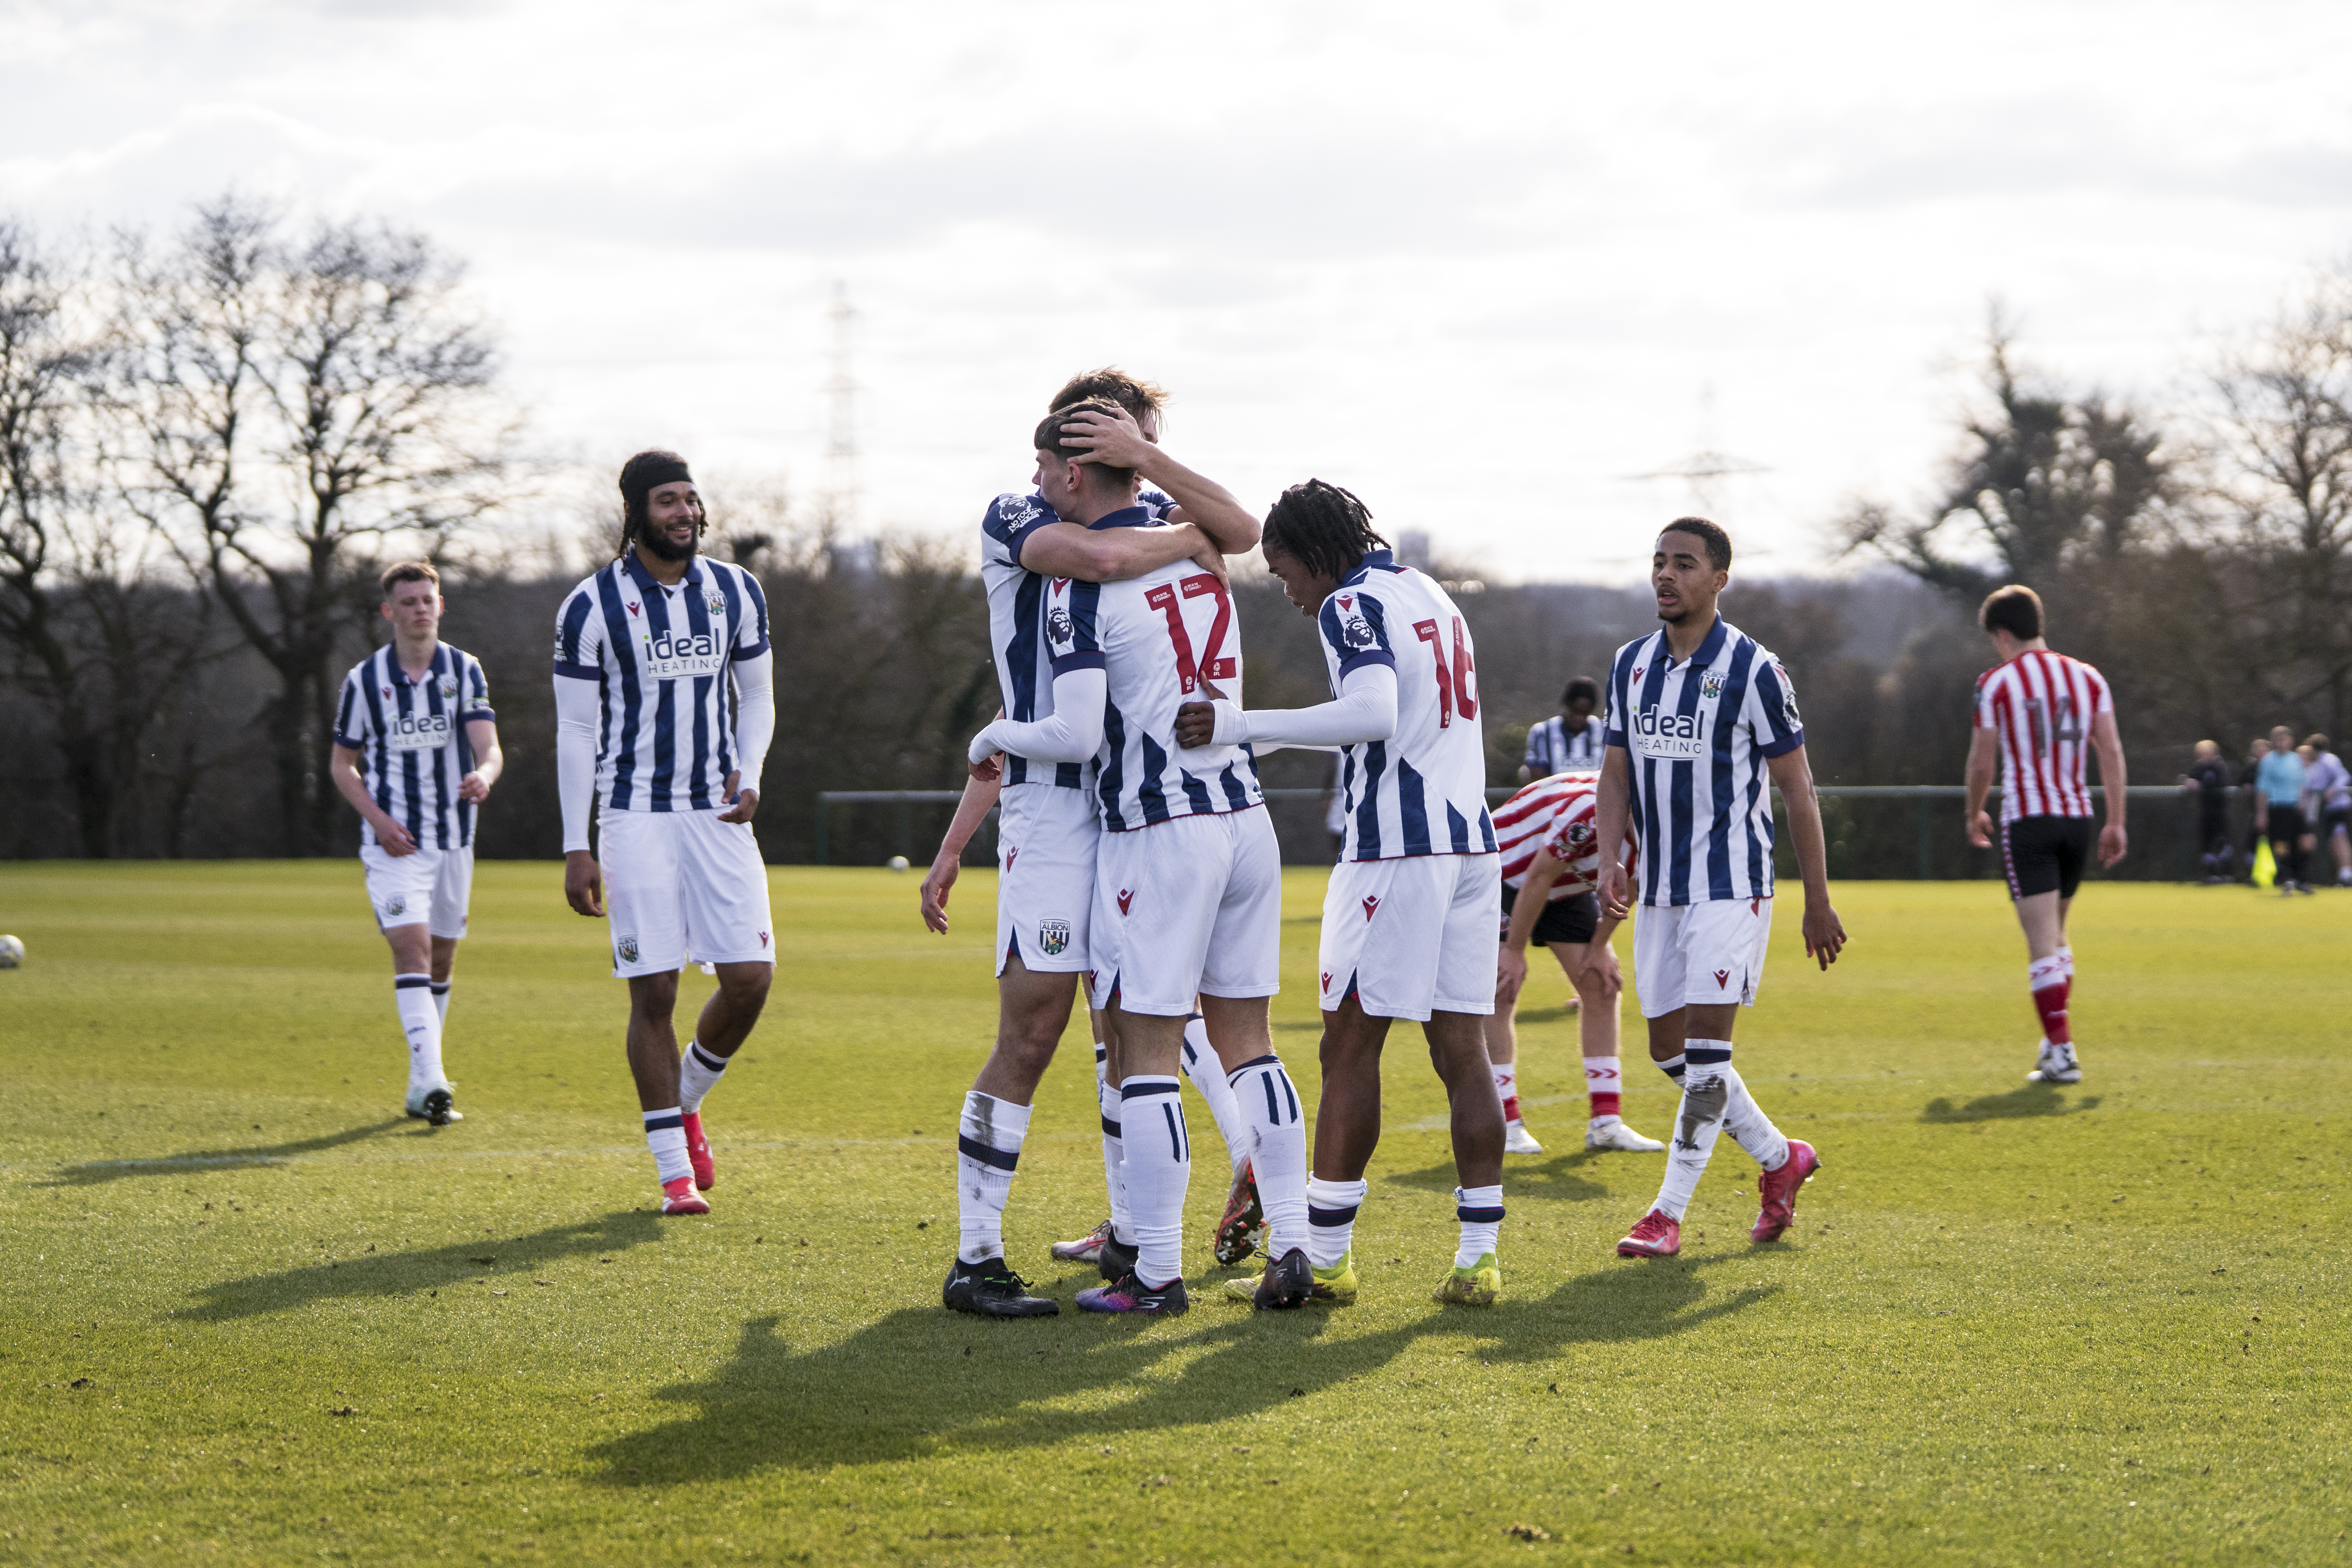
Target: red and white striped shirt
{"x": 1560, "y": 814}
{"x": 2042, "y": 704}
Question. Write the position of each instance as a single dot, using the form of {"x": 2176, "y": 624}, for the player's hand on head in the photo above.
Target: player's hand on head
{"x": 583, "y": 884}
{"x": 1114, "y": 439}
{"x": 936, "y": 884}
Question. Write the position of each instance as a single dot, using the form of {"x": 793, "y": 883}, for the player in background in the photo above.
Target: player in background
{"x": 2037, "y": 708}
{"x": 1550, "y": 864}
{"x": 2326, "y": 809}
{"x": 2208, "y": 779}
{"x": 2278, "y": 807}
{"x": 1571, "y": 741}
{"x": 1410, "y": 919}
{"x": 1048, "y": 831}
{"x": 1699, "y": 714}
{"x": 416, "y": 753}
{"x": 1188, "y": 877}
{"x": 647, "y": 653}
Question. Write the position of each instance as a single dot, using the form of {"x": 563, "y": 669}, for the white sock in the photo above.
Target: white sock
{"x": 1159, "y": 1168}
{"x": 1506, "y": 1088}
{"x": 665, "y": 1136}
{"x": 1749, "y": 1128}
{"x": 1122, "y": 1228}
{"x": 441, "y": 1001}
{"x": 1697, "y": 1120}
{"x": 1277, "y": 1138}
{"x": 1208, "y": 1075}
{"x": 988, "y": 1147}
{"x": 1480, "y": 1210}
{"x": 697, "y": 1074}
{"x": 1331, "y": 1218}
{"x": 421, "y": 1022}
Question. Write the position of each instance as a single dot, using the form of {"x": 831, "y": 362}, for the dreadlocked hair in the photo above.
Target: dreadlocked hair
{"x": 640, "y": 477}
{"x": 1322, "y": 527}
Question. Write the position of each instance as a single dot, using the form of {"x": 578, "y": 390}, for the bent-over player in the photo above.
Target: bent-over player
{"x": 1410, "y": 917}
{"x": 647, "y": 654}
{"x": 2036, "y": 708}
{"x": 1699, "y": 714}
{"x": 416, "y": 750}
{"x": 1551, "y": 861}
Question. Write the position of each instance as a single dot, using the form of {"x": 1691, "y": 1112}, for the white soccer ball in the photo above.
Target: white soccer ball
{"x": 897, "y": 862}
{"x": 12, "y": 952}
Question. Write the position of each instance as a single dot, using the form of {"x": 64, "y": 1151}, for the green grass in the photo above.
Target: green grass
{"x": 248, "y": 1314}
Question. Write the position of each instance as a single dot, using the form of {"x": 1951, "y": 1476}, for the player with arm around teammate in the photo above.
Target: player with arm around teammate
{"x": 2036, "y": 708}
{"x": 1410, "y": 919}
{"x": 416, "y": 753}
{"x": 647, "y": 654}
{"x": 1699, "y": 715}
{"x": 1550, "y": 864}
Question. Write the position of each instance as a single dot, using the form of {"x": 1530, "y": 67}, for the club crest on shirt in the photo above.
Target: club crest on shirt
{"x": 448, "y": 689}
{"x": 1710, "y": 685}
{"x": 1054, "y": 936}
{"x": 1580, "y": 834}
{"x": 627, "y": 948}
{"x": 714, "y": 602}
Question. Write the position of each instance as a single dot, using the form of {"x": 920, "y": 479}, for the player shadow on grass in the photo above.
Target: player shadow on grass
{"x": 2034, "y": 1100}
{"x": 923, "y": 1383}
{"x": 455, "y": 1266}
{"x": 92, "y": 1172}
{"x": 1558, "y": 1177}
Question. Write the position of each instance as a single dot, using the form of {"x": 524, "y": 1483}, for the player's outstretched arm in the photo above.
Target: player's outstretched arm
{"x": 2113, "y": 842}
{"x": 979, "y": 799}
{"x": 1117, "y": 440}
{"x": 755, "y": 726}
{"x": 1612, "y": 811}
{"x": 1984, "y": 754}
{"x": 1792, "y": 775}
{"x": 342, "y": 766}
{"x": 576, "y": 791}
{"x": 1365, "y": 709}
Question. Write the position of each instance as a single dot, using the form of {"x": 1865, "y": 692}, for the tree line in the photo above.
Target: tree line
{"x": 211, "y": 441}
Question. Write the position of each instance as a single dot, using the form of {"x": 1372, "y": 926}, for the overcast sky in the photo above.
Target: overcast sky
{"x": 1477, "y": 261}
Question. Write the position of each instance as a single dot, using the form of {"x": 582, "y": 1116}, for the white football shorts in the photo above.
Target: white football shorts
{"x": 1045, "y": 895}
{"x": 1413, "y": 936}
{"x": 430, "y": 887}
{"x": 1187, "y": 906}
{"x": 681, "y": 887}
{"x": 1694, "y": 954}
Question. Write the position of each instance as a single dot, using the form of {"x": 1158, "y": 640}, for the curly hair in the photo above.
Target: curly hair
{"x": 1322, "y": 527}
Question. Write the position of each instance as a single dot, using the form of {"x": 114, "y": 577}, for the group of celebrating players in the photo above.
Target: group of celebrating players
{"x": 1136, "y": 853}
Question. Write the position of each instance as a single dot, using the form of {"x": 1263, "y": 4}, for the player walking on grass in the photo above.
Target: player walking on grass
{"x": 1188, "y": 878}
{"x": 2036, "y": 708}
{"x": 1410, "y": 916}
{"x": 416, "y": 750}
{"x": 1048, "y": 831}
{"x": 1699, "y": 714}
{"x": 1551, "y": 862}
{"x": 648, "y": 652}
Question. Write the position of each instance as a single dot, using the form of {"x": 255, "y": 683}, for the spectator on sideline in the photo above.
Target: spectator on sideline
{"x": 2326, "y": 808}
{"x": 1571, "y": 741}
{"x": 2209, "y": 776}
{"x": 2247, "y": 772}
{"x": 2278, "y": 808}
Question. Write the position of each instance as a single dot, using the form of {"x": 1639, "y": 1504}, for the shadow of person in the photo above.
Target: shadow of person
{"x": 1558, "y": 1178}
{"x": 399, "y": 1273}
{"x": 923, "y": 1381}
{"x": 2032, "y": 1100}
{"x": 92, "y": 1172}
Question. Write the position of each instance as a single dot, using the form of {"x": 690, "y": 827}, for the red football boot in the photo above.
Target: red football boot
{"x": 1655, "y": 1237}
{"x": 679, "y": 1197}
{"x": 1778, "y": 1191}
{"x": 697, "y": 1153}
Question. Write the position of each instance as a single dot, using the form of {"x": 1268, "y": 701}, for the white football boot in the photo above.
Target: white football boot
{"x": 1518, "y": 1139}
{"x": 2056, "y": 1064}
{"x": 1611, "y": 1134}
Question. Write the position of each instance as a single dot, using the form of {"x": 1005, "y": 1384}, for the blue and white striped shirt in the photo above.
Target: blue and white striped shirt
{"x": 411, "y": 738}
{"x": 1697, "y": 735}
{"x": 1422, "y": 791}
{"x": 666, "y": 735}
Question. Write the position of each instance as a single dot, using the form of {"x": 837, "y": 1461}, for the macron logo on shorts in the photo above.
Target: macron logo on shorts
{"x": 1126, "y": 896}
{"x": 1370, "y": 903}
{"x": 763, "y": 942}
{"x": 1009, "y": 856}
{"x": 1722, "y": 979}
{"x": 1327, "y": 980}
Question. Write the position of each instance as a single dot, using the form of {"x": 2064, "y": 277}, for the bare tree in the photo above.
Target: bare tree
{"x": 290, "y": 408}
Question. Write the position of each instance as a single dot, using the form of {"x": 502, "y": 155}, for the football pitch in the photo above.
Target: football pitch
{"x": 253, "y": 1315}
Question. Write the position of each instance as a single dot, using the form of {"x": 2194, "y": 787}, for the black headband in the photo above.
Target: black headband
{"x": 654, "y": 475}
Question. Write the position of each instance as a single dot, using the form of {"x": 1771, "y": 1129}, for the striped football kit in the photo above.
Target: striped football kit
{"x": 412, "y": 755}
